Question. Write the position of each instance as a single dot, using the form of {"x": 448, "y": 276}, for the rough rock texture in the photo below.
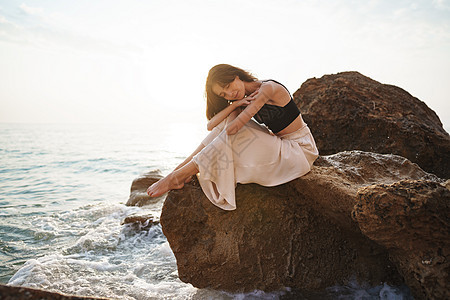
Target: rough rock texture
{"x": 8, "y": 292}
{"x": 334, "y": 185}
{"x": 349, "y": 111}
{"x": 138, "y": 194}
{"x": 299, "y": 234}
{"x": 412, "y": 220}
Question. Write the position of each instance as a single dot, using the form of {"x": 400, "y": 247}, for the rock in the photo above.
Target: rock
{"x": 138, "y": 192}
{"x": 300, "y": 234}
{"x": 411, "y": 218}
{"x": 349, "y": 111}
{"x": 8, "y": 292}
{"x": 334, "y": 185}
{"x": 141, "y": 221}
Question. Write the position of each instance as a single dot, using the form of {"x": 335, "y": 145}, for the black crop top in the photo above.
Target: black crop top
{"x": 277, "y": 117}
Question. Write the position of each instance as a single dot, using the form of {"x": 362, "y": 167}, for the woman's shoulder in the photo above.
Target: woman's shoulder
{"x": 271, "y": 80}
{"x": 277, "y": 87}
{"x": 274, "y": 83}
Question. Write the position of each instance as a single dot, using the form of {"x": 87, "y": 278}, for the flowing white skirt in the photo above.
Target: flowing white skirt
{"x": 252, "y": 155}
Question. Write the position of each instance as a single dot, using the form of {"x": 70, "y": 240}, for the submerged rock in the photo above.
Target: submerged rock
{"x": 8, "y": 292}
{"x": 411, "y": 218}
{"x": 349, "y": 111}
{"x": 300, "y": 234}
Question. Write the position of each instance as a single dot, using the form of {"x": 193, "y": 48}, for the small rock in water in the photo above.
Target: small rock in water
{"x": 138, "y": 192}
{"x": 143, "y": 221}
{"x": 8, "y": 292}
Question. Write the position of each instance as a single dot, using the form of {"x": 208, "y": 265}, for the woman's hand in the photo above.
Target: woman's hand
{"x": 247, "y": 100}
{"x": 242, "y": 102}
{"x": 234, "y": 127}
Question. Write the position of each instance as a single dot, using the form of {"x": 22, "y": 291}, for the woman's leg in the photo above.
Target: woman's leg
{"x": 188, "y": 159}
{"x": 174, "y": 180}
{"x": 184, "y": 171}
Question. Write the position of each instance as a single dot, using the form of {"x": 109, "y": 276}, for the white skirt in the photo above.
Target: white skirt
{"x": 252, "y": 155}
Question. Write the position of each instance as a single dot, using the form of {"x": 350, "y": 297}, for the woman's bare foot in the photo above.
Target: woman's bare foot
{"x": 174, "y": 180}
{"x": 162, "y": 186}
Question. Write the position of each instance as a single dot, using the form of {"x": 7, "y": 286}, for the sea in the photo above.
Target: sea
{"x": 63, "y": 189}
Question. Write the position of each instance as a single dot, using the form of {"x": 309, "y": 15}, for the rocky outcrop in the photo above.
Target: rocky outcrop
{"x": 299, "y": 234}
{"x": 411, "y": 218}
{"x": 8, "y": 292}
{"x": 349, "y": 111}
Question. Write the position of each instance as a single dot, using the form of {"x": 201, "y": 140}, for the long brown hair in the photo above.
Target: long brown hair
{"x": 222, "y": 74}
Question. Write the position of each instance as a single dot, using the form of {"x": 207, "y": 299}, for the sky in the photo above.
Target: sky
{"x": 146, "y": 61}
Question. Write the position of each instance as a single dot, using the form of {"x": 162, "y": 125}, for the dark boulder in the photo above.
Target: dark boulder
{"x": 300, "y": 234}
{"x": 349, "y": 111}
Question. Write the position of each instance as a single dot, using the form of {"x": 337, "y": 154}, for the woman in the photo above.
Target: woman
{"x": 238, "y": 149}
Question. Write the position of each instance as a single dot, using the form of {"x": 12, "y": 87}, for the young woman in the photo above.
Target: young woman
{"x": 239, "y": 150}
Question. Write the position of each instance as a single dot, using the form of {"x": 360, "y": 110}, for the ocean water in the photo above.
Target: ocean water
{"x": 63, "y": 190}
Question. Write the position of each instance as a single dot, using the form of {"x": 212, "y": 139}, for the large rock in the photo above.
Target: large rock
{"x": 349, "y": 111}
{"x": 412, "y": 220}
{"x": 299, "y": 234}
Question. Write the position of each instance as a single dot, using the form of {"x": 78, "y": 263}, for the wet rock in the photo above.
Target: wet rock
{"x": 141, "y": 221}
{"x": 349, "y": 111}
{"x": 138, "y": 192}
{"x": 411, "y": 218}
{"x": 300, "y": 234}
{"x": 8, "y": 292}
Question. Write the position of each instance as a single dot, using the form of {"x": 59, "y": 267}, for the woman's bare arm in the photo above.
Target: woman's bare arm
{"x": 220, "y": 116}
{"x": 224, "y": 113}
{"x": 266, "y": 91}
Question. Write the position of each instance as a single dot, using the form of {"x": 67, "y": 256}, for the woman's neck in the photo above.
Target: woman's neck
{"x": 252, "y": 86}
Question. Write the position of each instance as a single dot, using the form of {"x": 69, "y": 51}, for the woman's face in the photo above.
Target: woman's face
{"x": 234, "y": 90}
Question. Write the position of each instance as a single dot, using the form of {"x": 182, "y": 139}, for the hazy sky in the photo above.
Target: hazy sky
{"x": 127, "y": 61}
